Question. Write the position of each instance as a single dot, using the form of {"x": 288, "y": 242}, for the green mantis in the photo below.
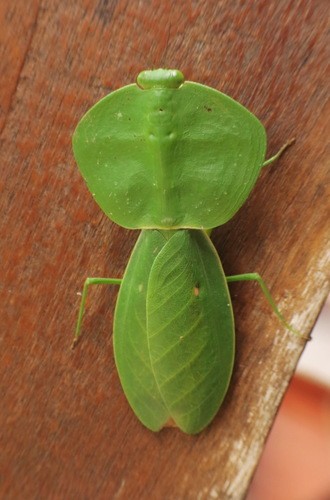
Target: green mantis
{"x": 174, "y": 159}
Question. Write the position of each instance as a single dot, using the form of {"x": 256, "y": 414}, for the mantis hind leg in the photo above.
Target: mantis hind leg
{"x": 256, "y": 277}
{"x": 88, "y": 282}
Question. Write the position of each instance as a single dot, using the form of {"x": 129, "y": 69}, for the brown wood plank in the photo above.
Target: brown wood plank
{"x": 66, "y": 429}
{"x": 18, "y": 21}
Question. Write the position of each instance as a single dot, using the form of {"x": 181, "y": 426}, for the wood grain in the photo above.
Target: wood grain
{"x": 66, "y": 429}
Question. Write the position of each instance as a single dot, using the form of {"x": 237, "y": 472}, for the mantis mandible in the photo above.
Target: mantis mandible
{"x": 174, "y": 159}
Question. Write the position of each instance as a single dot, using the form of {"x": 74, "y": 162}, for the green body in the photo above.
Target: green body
{"x": 169, "y": 158}
{"x": 172, "y": 158}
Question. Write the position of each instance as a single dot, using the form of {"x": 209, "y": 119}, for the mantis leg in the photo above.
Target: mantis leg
{"x": 264, "y": 288}
{"x": 278, "y": 154}
{"x": 88, "y": 282}
{"x": 265, "y": 164}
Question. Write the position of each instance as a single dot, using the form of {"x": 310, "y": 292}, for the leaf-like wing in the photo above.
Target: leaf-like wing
{"x": 130, "y": 334}
{"x": 190, "y": 329}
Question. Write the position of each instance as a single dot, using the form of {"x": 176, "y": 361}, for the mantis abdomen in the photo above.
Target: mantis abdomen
{"x": 174, "y": 330}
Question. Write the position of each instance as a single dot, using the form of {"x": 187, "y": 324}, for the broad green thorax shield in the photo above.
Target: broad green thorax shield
{"x": 168, "y": 154}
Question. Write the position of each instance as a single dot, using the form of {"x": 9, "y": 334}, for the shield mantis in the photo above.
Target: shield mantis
{"x": 174, "y": 159}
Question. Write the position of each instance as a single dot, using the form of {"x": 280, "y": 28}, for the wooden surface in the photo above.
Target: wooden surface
{"x": 66, "y": 429}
